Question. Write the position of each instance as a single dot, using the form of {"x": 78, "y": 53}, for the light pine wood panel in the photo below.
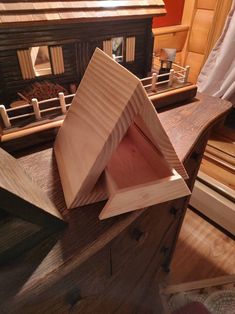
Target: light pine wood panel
{"x": 87, "y": 131}
{"x": 195, "y": 61}
{"x": 144, "y": 195}
{"x": 138, "y": 176}
{"x": 206, "y": 20}
{"x": 208, "y": 5}
{"x": 214, "y": 205}
{"x": 188, "y": 13}
{"x": 222, "y": 174}
{"x": 173, "y": 37}
{"x": 200, "y": 31}
{"x": 220, "y": 154}
{"x": 152, "y": 128}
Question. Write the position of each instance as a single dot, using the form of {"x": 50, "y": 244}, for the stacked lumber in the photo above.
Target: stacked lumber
{"x": 214, "y": 190}
{"x": 219, "y": 158}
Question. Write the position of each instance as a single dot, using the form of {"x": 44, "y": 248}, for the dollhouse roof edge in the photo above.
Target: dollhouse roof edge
{"x": 36, "y": 12}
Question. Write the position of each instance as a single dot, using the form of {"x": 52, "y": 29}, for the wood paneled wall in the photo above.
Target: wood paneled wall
{"x": 206, "y": 20}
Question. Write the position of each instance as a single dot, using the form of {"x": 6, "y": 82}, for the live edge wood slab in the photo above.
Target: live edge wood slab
{"x": 107, "y": 266}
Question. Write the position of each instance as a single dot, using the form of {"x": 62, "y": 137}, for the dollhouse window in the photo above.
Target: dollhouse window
{"x": 130, "y": 49}
{"x": 117, "y": 48}
{"x": 114, "y": 48}
{"x": 41, "y": 60}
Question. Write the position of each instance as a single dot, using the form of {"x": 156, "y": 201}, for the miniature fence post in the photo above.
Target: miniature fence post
{"x": 36, "y": 108}
{"x": 154, "y": 81}
{"x": 62, "y": 103}
{"x": 187, "y": 68}
{"x": 4, "y": 116}
{"x": 171, "y": 77}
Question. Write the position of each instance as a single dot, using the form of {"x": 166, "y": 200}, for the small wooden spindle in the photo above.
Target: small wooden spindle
{"x": 154, "y": 81}
{"x": 187, "y": 68}
{"x": 36, "y": 108}
{"x": 171, "y": 77}
{"x": 62, "y": 103}
{"x": 4, "y": 116}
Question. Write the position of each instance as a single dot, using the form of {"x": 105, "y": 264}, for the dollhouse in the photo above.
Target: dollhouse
{"x": 54, "y": 41}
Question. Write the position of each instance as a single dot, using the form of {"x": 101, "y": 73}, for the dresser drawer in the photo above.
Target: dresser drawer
{"x": 141, "y": 240}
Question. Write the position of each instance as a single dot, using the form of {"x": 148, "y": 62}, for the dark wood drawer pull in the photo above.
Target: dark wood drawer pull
{"x": 165, "y": 250}
{"x": 138, "y": 234}
{"x": 174, "y": 211}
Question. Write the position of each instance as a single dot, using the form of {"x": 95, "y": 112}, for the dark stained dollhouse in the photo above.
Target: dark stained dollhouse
{"x": 51, "y": 41}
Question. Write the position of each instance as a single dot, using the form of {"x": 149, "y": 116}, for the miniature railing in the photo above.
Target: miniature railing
{"x": 36, "y": 106}
{"x": 179, "y": 75}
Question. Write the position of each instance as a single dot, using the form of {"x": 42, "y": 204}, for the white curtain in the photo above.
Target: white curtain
{"x": 217, "y": 77}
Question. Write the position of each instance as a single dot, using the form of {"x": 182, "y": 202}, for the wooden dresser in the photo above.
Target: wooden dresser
{"x": 107, "y": 266}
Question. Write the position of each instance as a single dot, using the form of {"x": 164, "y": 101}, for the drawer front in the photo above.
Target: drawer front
{"x": 142, "y": 239}
{"x": 77, "y": 292}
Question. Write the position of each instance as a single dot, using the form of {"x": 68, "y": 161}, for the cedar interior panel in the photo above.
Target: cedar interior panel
{"x": 200, "y": 31}
{"x": 208, "y": 5}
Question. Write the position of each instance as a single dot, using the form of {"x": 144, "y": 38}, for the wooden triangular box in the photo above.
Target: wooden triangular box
{"x": 112, "y": 144}
{"x": 32, "y": 214}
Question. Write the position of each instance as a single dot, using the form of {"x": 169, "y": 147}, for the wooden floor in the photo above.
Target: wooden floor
{"x": 202, "y": 252}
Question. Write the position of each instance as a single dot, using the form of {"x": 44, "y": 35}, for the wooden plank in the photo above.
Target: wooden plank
{"x": 151, "y": 126}
{"x": 173, "y": 96}
{"x": 222, "y": 174}
{"x": 199, "y": 284}
{"x": 82, "y": 10}
{"x": 213, "y": 205}
{"x": 216, "y": 185}
{"x": 220, "y": 154}
{"x": 82, "y": 5}
{"x": 21, "y": 196}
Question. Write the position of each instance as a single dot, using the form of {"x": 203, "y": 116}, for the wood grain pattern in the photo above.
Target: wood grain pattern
{"x": 204, "y": 251}
{"x": 92, "y": 118}
{"x": 96, "y": 122}
{"x": 214, "y": 206}
{"x": 206, "y": 20}
{"x": 34, "y": 12}
{"x": 21, "y": 196}
{"x": 138, "y": 176}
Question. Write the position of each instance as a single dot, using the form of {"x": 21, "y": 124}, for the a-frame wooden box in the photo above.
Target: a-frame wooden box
{"x": 112, "y": 144}
{"x": 27, "y": 215}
